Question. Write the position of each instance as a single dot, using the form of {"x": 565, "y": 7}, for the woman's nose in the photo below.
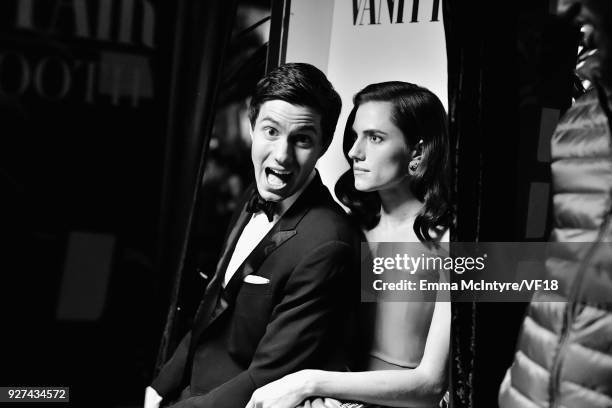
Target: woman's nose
{"x": 356, "y": 152}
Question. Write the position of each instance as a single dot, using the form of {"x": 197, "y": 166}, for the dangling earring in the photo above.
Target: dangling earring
{"x": 416, "y": 158}
{"x": 413, "y": 166}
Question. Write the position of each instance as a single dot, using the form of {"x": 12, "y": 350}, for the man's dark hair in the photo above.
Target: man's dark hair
{"x": 303, "y": 85}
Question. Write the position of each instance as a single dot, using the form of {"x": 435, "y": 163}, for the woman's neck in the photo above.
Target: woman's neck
{"x": 398, "y": 206}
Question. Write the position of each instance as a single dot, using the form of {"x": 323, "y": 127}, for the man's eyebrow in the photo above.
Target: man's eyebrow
{"x": 269, "y": 119}
{"x": 306, "y": 128}
{"x": 299, "y": 128}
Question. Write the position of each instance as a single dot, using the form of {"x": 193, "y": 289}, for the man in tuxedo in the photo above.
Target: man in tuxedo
{"x": 274, "y": 305}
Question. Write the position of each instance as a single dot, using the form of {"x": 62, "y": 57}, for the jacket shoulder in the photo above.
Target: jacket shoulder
{"x": 330, "y": 222}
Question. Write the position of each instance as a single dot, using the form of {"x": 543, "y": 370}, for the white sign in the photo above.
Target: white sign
{"x": 359, "y": 42}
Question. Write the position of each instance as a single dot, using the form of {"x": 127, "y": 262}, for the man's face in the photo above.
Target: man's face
{"x": 287, "y": 142}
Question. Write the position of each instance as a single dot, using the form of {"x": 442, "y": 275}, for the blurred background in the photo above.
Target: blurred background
{"x": 102, "y": 135}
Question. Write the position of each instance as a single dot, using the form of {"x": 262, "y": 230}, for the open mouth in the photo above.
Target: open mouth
{"x": 277, "y": 178}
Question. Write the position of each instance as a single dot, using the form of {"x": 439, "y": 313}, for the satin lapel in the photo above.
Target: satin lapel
{"x": 251, "y": 264}
{"x": 282, "y": 231}
{"x": 239, "y": 222}
{"x": 209, "y": 301}
{"x": 279, "y": 234}
{"x": 231, "y": 240}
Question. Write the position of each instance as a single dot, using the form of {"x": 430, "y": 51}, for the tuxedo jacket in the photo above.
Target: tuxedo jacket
{"x": 246, "y": 334}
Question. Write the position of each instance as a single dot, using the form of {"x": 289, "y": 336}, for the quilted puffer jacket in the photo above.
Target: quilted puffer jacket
{"x": 564, "y": 352}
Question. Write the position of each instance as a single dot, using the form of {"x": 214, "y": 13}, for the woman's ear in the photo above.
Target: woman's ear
{"x": 417, "y": 152}
{"x": 415, "y": 158}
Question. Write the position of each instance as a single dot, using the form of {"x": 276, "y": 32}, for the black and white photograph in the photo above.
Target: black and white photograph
{"x": 306, "y": 203}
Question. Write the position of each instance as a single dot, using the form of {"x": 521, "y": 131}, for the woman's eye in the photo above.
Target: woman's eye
{"x": 375, "y": 138}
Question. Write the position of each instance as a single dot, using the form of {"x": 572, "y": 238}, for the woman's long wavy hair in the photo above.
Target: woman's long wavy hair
{"x": 419, "y": 114}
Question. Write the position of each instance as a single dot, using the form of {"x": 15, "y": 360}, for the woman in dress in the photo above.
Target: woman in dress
{"x": 397, "y": 189}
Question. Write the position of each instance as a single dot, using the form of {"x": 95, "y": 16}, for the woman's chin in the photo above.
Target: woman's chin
{"x": 364, "y": 188}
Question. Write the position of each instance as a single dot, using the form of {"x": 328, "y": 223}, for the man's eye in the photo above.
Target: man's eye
{"x": 303, "y": 141}
{"x": 270, "y": 131}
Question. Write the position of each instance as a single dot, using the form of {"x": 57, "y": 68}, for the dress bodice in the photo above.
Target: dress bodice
{"x": 397, "y": 326}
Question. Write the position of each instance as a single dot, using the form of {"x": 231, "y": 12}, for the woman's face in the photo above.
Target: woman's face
{"x": 380, "y": 155}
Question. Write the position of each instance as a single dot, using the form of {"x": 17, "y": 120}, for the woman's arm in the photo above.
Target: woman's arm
{"x": 421, "y": 386}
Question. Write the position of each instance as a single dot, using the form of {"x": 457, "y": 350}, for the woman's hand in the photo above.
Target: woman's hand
{"x": 288, "y": 392}
{"x": 321, "y": 402}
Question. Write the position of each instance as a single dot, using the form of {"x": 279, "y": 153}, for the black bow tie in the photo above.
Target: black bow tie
{"x": 257, "y": 203}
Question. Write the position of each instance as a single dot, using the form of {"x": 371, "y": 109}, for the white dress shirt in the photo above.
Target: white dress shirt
{"x": 256, "y": 229}
{"x": 152, "y": 398}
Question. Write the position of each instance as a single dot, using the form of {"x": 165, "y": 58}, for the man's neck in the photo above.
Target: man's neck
{"x": 286, "y": 203}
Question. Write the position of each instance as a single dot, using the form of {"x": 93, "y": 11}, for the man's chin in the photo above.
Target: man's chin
{"x": 274, "y": 195}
